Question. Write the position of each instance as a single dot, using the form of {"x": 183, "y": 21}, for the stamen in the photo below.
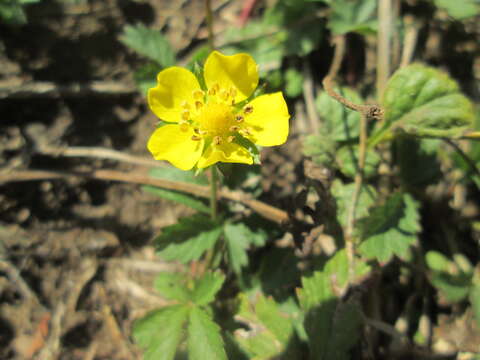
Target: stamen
{"x": 217, "y": 140}
{"x": 224, "y": 94}
{"x": 245, "y": 132}
{"x": 233, "y": 92}
{"x": 248, "y": 109}
{"x": 198, "y": 94}
{"x": 239, "y": 118}
{"x": 215, "y": 87}
{"x": 185, "y": 115}
{"x": 234, "y": 128}
{"x": 212, "y": 91}
{"x": 185, "y": 105}
{"x": 196, "y": 131}
{"x": 230, "y": 139}
{"x": 196, "y": 138}
{"x": 183, "y": 125}
{"x": 198, "y": 105}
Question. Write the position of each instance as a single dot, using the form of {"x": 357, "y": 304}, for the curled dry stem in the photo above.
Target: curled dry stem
{"x": 367, "y": 112}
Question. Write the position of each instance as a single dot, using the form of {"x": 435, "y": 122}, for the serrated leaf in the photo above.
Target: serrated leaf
{"x": 449, "y": 277}
{"x": 207, "y": 287}
{"x": 343, "y": 196}
{"x": 459, "y": 9}
{"x": 204, "y": 339}
{"x": 475, "y": 301}
{"x": 423, "y": 101}
{"x": 347, "y": 159}
{"x": 150, "y": 43}
{"x": 172, "y": 286}
{"x": 293, "y": 83}
{"x": 437, "y": 261}
{"x": 417, "y": 160}
{"x": 341, "y": 124}
{"x": 188, "y": 239}
{"x": 269, "y": 330}
{"x": 12, "y": 13}
{"x": 390, "y": 229}
{"x": 146, "y": 77}
{"x": 353, "y": 16}
{"x": 160, "y": 332}
{"x": 239, "y": 238}
{"x": 332, "y": 326}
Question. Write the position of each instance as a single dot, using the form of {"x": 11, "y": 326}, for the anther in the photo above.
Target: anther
{"x": 185, "y": 115}
{"x": 196, "y": 138}
{"x": 231, "y": 138}
{"x": 212, "y": 91}
{"x": 224, "y": 94}
{"x": 183, "y": 125}
{"x": 248, "y": 109}
{"x": 245, "y": 132}
{"x": 234, "y": 128}
{"x": 198, "y": 105}
{"x": 215, "y": 87}
{"x": 217, "y": 140}
{"x": 239, "y": 118}
{"x": 198, "y": 94}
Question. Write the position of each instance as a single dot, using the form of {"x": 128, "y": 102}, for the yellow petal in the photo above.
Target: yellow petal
{"x": 176, "y": 146}
{"x": 175, "y": 86}
{"x": 227, "y": 152}
{"x": 237, "y": 71}
{"x": 268, "y": 121}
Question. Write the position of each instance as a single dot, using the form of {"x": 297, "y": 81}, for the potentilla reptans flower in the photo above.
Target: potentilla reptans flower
{"x": 204, "y": 127}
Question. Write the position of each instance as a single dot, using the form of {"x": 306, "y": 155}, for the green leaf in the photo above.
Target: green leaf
{"x": 341, "y": 124}
{"x": 332, "y": 326}
{"x": 452, "y": 278}
{"x": 160, "y": 332}
{"x": 293, "y": 83}
{"x": 174, "y": 174}
{"x": 11, "y": 12}
{"x": 422, "y": 101}
{"x": 343, "y": 196}
{"x": 268, "y": 329}
{"x": 207, "y": 287}
{"x": 146, "y": 77}
{"x": 204, "y": 339}
{"x": 475, "y": 301}
{"x": 417, "y": 159}
{"x": 353, "y": 16}
{"x": 321, "y": 148}
{"x": 188, "y": 239}
{"x": 172, "y": 286}
{"x": 437, "y": 261}
{"x": 347, "y": 159}
{"x": 150, "y": 43}
{"x": 459, "y": 9}
{"x": 239, "y": 238}
{"x": 390, "y": 229}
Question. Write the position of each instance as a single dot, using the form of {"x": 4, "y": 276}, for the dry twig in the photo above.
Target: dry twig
{"x": 265, "y": 210}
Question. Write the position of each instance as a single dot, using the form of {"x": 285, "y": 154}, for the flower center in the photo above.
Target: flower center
{"x": 216, "y": 119}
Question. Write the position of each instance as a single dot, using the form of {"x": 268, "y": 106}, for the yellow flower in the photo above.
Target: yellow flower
{"x": 204, "y": 127}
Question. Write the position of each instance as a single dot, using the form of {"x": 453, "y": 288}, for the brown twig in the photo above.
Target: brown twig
{"x": 51, "y": 90}
{"x": 98, "y": 153}
{"x": 410, "y": 40}
{"x": 308, "y": 94}
{"x": 265, "y": 210}
{"x": 367, "y": 112}
{"x": 339, "y": 52}
{"x": 384, "y": 45}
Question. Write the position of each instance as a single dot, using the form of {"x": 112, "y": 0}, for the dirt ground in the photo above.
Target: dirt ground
{"x": 77, "y": 263}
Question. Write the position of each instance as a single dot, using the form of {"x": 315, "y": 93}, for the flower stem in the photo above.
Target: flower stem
{"x": 209, "y": 16}
{"x": 213, "y": 192}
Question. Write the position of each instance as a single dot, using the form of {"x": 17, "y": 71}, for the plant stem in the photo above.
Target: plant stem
{"x": 384, "y": 44}
{"x": 213, "y": 192}
{"x": 209, "y": 18}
